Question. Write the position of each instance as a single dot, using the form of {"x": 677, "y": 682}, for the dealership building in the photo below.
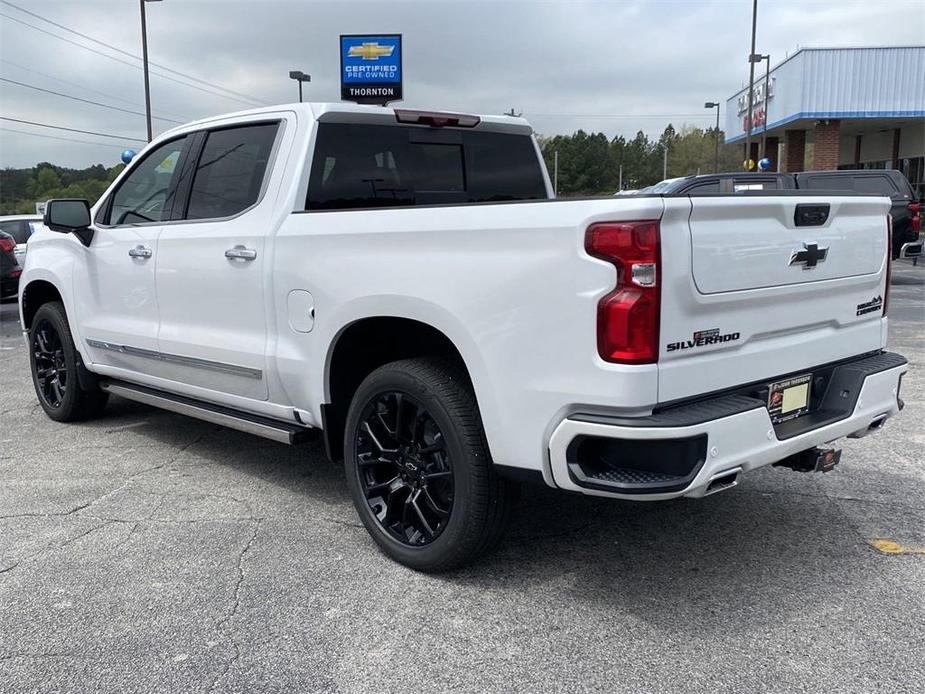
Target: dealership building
{"x": 859, "y": 107}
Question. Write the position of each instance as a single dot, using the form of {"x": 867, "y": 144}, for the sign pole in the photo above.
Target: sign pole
{"x": 751, "y": 88}
{"x": 555, "y": 185}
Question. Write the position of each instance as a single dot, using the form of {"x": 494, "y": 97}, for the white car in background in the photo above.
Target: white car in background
{"x": 21, "y": 227}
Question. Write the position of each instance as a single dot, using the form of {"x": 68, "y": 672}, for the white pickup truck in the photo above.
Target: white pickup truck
{"x": 404, "y": 282}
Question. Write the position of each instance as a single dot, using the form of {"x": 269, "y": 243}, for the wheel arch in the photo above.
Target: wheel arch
{"x": 33, "y": 295}
{"x": 363, "y": 346}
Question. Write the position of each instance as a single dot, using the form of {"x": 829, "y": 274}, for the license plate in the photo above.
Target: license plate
{"x": 789, "y": 399}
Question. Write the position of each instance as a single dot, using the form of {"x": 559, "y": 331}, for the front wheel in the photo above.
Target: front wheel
{"x": 55, "y": 362}
{"x": 418, "y": 466}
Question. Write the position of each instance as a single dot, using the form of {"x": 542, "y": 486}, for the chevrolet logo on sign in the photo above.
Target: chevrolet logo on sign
{"x": 370, "y": 51}
{"x": 370, "y": 68}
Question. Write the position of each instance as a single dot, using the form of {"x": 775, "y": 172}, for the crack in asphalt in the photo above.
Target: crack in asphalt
{"x": 128, "y": 480}
{"x": 236, "y": 602}
{"x": 60, "y": 545}
{"x": 106, "y": 522}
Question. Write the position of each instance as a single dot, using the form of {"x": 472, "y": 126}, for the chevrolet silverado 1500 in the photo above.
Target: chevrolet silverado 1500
{"x": 403, "y": 282}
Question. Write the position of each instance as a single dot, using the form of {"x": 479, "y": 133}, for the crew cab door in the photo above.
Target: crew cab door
{"x": 213, "y": 261}
{"x": 114, "y": 292}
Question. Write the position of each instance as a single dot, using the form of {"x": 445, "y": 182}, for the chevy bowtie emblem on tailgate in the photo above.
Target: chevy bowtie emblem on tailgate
{"x": 810, "y": 256}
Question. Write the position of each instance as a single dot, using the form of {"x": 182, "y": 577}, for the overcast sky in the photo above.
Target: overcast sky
{"x": 563, "y": 64}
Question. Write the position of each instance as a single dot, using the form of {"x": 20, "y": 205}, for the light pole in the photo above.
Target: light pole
{"x": 144, "y": 56}
{"x": 299, "y": 77}
{"x": 665, "y": 162}
{"x": 754, "y": 59}
{"x": 715, "y": 104}
{"x": 751, "y": 87}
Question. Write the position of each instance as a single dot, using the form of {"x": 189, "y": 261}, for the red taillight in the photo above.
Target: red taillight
{"x": 628, "y": 317}
{"x": 7, "y": 244}
{"x": 915, "y": 209}
{"x": 889, "y": 262}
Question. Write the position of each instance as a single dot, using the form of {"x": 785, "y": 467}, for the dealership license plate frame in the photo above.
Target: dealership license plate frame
{"x": 790, "y": 398}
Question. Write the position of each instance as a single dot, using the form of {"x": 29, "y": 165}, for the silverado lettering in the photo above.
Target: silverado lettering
{"x": 704, "y": 337}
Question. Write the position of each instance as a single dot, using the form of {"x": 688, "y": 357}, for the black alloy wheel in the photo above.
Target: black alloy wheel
{"x": 405, "y": 469}
{"x": 65, "y": 389}
{"x": 51, "y": 372}
{"x": 418, "y": 466}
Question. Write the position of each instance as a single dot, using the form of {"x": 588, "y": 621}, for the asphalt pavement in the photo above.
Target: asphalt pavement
{"x": 147, "y": 552}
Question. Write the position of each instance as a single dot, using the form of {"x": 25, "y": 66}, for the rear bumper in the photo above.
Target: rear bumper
{"x": 681, "y": 451}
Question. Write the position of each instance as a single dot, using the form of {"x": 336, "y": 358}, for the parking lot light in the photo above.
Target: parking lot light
{"x": 715, "y": 104}
{"x": 299, "y": 77}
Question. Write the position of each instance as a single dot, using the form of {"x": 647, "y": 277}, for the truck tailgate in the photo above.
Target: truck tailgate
{"x": 758, "y": 287}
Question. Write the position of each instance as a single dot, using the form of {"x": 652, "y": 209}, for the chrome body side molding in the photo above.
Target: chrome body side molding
{"x": 244, "y": 371}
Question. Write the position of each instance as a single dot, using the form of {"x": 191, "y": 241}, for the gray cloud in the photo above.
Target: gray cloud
{"x": 551, "y": 60}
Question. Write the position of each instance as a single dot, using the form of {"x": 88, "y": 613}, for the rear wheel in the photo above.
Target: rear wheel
{"x": 418, "y": 466}
{"x": 55, "y": 363}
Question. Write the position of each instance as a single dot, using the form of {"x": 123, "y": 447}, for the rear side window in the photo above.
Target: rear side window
{"x": 19, "y": 230}
{"x": 875, "y": 184}
{"x": 230, "y": 171}
{"x": 369, "y": 166}
{"x": 881, "y": 185}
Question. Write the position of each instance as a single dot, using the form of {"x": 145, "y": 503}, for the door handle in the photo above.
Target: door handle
{"x": 139, "y": 252}
{"x": 241, "y": 253}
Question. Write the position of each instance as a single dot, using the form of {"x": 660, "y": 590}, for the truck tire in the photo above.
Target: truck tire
{"x": 55, "y": 363}
{"x": 419, "y": 469}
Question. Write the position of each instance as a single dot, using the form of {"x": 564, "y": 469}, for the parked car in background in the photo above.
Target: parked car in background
{"x": 10, "y": 269}
{"x": 20, "y": 227}
{"x": 905, "y": 211}
{"x": 722, "y": 183}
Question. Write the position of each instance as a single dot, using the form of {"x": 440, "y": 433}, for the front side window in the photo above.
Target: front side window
{"x": 146, "y": 194}
{"x": 230, "y": 171}
{"x": 370, "y": 166}
{"x": 704, "y": 188}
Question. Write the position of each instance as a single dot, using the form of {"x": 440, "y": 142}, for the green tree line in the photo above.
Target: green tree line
{"x": 589, "y": 163}
{"x": 20, "y": 189}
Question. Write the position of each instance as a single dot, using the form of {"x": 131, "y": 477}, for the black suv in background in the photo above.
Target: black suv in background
{"x": 906, "y": 210}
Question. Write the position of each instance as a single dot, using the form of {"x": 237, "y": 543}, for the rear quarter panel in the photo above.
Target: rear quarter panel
{"x": 509, "y": 284}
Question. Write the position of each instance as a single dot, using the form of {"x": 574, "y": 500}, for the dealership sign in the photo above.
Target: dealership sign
{"x": 762, "y": 95}
{"x": 370, "y": 68}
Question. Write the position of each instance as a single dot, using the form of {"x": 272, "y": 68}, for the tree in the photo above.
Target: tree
{"x": 20, "y": 189}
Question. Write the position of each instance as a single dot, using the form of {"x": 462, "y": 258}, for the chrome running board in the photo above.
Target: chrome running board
{"x": 283, "y": 432}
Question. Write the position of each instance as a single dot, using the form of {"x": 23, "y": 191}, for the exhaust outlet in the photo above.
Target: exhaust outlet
{"x": 724, "y": 480}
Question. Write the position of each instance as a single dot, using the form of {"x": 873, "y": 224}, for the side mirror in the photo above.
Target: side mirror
{"x": 69, "y": 216}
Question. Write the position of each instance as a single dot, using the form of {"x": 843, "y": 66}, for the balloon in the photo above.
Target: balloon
{"x": 764, "y": 164}
{"x": 128, "y": 155}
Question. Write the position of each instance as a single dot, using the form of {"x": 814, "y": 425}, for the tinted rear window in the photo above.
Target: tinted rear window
{"x": 17, "y": 229}
{"x": 367, "y": 166}
{"x": 880, "y": 185}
